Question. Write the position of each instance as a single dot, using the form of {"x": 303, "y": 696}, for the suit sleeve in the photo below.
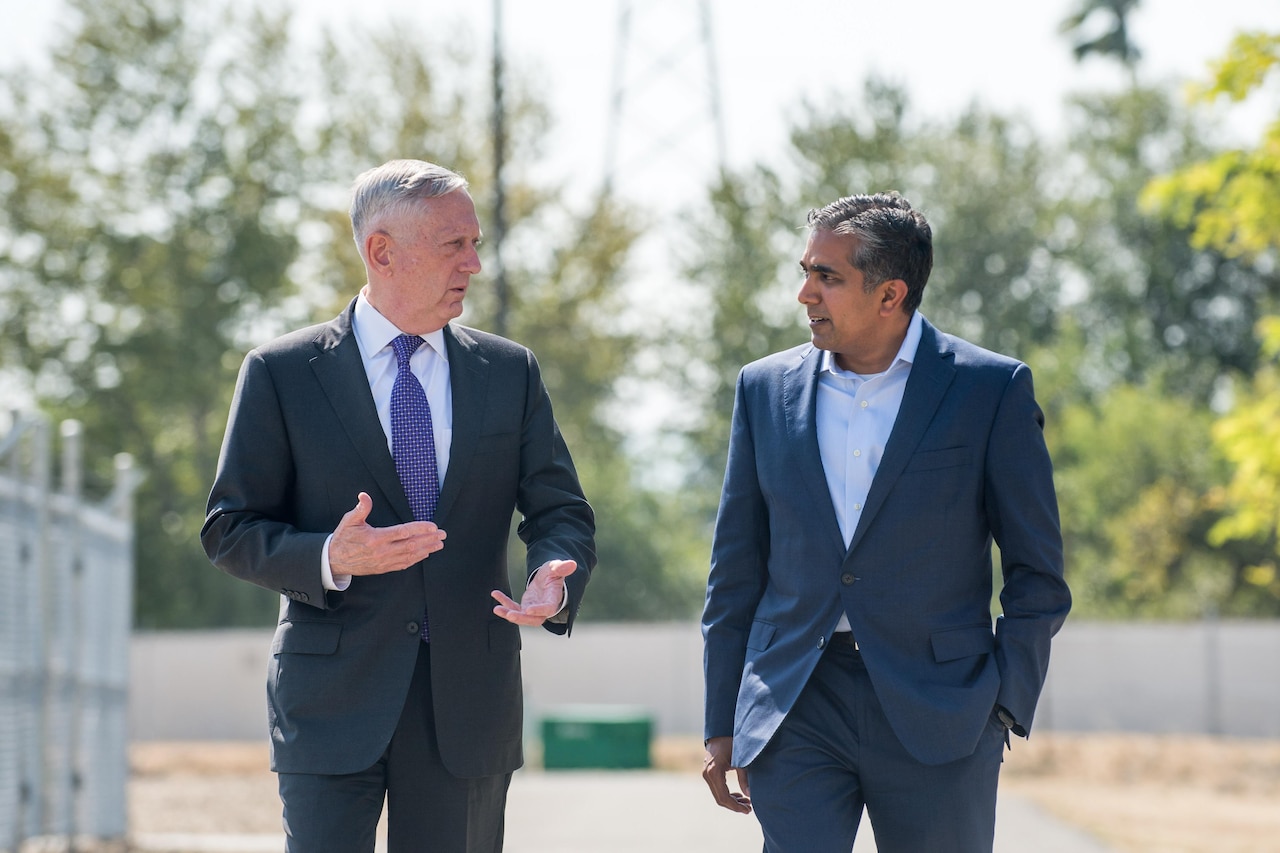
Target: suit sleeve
{"x": 248, "y": 530}
{"x": 1023, "y": 512}
{"x": 557, "y": 522}
{"x": 739, "y": 558}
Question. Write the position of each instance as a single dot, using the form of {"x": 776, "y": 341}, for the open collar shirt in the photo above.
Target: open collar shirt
{"x": 855, "y": 415}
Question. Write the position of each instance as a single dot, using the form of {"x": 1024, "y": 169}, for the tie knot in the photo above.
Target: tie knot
{"x": 405, "y": 346}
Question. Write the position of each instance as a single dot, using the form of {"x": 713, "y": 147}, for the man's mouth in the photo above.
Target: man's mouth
{"x": 813, "y": 321}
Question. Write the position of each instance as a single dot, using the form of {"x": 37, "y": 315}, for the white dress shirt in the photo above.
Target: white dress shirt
{"x": 855, "y": 415}
{"x": 430, "y": 364}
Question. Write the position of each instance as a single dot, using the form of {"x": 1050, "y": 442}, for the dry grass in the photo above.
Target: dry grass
{"x": 1166, "y": 793}
{"x": 1140, "y": 793}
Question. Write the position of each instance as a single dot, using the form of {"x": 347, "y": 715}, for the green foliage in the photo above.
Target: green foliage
{"x": 567, "y": 305}
{"x": 1249, "y": 437}
{"x": 164, "y": 223}
{"x": 1131, "y": 473}
{"x": 745, "y": 243}
{"x": 1154, "y": 306}
{"x": 1232, "y": 199}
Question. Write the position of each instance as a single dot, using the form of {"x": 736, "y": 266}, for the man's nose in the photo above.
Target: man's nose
{"x": 472, "y": 264}
{"x": 808, "y": 294}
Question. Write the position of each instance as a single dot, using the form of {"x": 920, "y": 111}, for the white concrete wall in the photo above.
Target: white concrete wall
{"x": 1199, "y": 678}
{"x": 1213, "y": 678}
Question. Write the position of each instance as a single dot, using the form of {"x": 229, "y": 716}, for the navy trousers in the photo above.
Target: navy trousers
{"x": 836, "y": 754}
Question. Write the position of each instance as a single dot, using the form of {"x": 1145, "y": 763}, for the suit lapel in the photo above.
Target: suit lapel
{"x": 931, "y": 374}
{"x": 799, "y": 397}
{"x": 468, "y": 380}
{"x": 340, "y": 372}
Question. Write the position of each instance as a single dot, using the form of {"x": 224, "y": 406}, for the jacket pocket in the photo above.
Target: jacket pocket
{"x": 931, "y": 460}
{"x": 956, "y": 643}
{"x": 761, "y": 635}
{"x": 306, "y": 638}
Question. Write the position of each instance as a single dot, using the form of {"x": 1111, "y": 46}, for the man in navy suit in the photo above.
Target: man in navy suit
{"x": 393, "y": 671}
{"x": 851, "y": 659}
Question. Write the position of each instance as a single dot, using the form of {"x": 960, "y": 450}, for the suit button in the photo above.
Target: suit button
{"x": 412, "y": 628}
{"x": 822, "y": 642}
{"x": 847, "y": 579}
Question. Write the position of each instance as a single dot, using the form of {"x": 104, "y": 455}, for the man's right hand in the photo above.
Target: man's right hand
{"x": 715, "y": 769}
{"x": 358, "y": 549}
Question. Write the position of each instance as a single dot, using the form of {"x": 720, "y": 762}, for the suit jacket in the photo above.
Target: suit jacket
{"x": 965, "y": 464}
{"x": 303, "y": 439}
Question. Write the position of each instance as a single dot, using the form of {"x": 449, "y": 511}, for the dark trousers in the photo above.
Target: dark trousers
{"x": 429, "y": 810}
{"x": 835, "y": 754}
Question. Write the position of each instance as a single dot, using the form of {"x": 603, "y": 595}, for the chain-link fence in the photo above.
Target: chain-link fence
{"x": 66, "y": 582}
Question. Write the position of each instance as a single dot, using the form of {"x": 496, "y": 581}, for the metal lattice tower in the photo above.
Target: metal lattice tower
{"x": 664, "y": 106}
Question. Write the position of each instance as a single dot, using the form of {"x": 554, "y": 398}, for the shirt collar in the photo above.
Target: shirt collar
{"x": 374, "y": 331}
{"x": 906, "y": 352}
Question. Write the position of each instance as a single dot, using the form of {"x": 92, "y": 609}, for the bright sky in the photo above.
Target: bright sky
{"x": 771, "y": 55}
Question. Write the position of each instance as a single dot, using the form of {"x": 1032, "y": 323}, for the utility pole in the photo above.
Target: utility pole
{"x": 664, "y": 107}
{"x": 499, "y": 228}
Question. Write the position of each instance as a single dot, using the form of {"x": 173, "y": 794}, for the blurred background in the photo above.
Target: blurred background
{"x": 1103, "y": 179}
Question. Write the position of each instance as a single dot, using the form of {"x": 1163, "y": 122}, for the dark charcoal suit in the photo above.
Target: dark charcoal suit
{"x": 302, "y": 441}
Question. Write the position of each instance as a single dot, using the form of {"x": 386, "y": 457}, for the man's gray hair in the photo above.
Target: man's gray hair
{"x": 394, "y": 189}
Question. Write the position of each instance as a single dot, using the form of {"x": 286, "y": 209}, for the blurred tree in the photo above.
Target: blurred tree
{"x": 1164, "y": 322}
{"x": 980, "y": 182}
{"x": 1132, "y": 473}
{"x": 744, "y": 248}
{"x": 1249, "y": 438}
{"x": 150, "y": 188}
{"x": 1230, "y": 202}
{"x": 1155, "y": 307}
{"x": 175, "y": 192}
{"x": 1113, "y": 40}
{"x": 568, "y": 306}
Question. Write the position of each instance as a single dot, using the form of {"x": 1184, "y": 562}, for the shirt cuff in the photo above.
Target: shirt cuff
{"x": 327, "y": 578}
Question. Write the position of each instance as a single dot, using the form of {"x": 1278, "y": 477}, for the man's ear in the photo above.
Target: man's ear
{"x": 377, "y": 251}
{"x": 893, "y": 293}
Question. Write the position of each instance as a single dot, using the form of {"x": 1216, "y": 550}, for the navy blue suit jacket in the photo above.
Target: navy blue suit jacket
{"x": 965, "y": 464}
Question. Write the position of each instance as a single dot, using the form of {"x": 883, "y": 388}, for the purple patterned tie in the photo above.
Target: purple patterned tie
{"x": 412, "y": 439}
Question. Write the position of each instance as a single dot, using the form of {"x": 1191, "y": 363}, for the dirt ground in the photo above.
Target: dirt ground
{"x": 1139, "y": 793}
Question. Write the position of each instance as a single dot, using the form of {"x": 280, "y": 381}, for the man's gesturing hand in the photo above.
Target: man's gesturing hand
{"x": 716, "y": 766}
{"x": 543, "y": 596}
{"x": 358, "y": 549}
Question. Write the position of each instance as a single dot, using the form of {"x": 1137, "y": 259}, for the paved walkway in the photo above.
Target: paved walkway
{"x": 649, "y": 812}
{"x": 655, "y": 812}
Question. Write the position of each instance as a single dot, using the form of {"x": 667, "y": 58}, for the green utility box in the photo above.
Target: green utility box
{"x": 613, "y": 737}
